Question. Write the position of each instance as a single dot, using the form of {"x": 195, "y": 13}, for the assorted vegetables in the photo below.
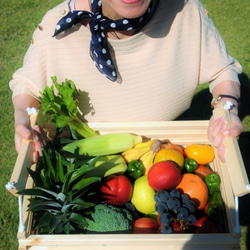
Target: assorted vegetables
{"x": 118, "y": 183}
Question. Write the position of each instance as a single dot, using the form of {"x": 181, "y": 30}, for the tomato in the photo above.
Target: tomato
{"x": 170, "y": 154}
{"x": 145, "y": 225}
{"x": 143, "y": 196}
{"x": 201, "y": 153}
{"x": 116, "y": 190}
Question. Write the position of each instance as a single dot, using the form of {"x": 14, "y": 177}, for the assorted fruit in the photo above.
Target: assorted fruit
{"x": 168, "y": 192}
{"x": 120, "y": 183}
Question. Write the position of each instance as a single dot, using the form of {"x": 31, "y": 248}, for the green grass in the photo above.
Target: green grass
{"x": 18, "y": 21}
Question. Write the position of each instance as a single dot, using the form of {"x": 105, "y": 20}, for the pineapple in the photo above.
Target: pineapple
{"x": 62, "y": 198}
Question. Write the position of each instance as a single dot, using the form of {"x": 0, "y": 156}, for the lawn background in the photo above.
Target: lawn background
{"x": 19, "y": 19}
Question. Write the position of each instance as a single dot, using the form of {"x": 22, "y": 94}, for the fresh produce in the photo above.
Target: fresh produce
{"x": 173, "y": 206}
{"x": 169, "y": 154}
{"x": 205, "y": 225}
{"x": 190, "y": 165}
{"x": 116, "y": 190}
{"x": 164, "y": 175}
{"x": 201, "y": 153}
{"x": 145, "y": 225}
{"x": 177, "y": 228}
{"x": 107, "y": 218}
{"x": 143, "y": 196}
{"x": 62, "y": 197}
{"x": 62, "y": 109}
{"x": 140, "y": 149}
{"x": 194, "y": 186}
{"x": 143, "y": 152}
{"x": 215, "y": 208}
{"x": 117, "y": 183}
{"x": 135, "y": 169}
{"x": 203, "y": 171}
{"x": 168, "y": 144}
{"x": 103, "y": 144}
{"x": 213, "y": 183}
{"x": 106, "y": 165}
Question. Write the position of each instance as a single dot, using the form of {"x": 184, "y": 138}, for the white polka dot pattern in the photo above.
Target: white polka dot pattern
{"x": 99, "y": 49}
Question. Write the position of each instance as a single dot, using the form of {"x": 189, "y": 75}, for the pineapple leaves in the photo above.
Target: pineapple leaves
{"x": 84, "y": 183}
{"x": 38, "y": 180}
{"x": 62, "y": 196}
{"x": 78, "y": 219}
{"x": 48, "y": 166}
{"x": 39, "y": 193}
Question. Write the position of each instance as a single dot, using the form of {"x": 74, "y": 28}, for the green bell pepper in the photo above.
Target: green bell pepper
{"x": 135, "y": 169}
{"x": 215, "y": 206}
{"x": 190, "y": 165}
{"x": 213, "y": 182}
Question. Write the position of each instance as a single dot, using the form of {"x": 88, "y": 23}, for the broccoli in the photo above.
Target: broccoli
{"x": 107, "y": 218}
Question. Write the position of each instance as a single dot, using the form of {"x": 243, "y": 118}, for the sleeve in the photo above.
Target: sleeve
{"x": 216, "y": 64}
{"x": 31, "y": 77}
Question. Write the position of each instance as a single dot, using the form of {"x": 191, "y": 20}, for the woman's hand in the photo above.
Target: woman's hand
{"x": 22, "y": 125}
{"x": 217, "y": 130}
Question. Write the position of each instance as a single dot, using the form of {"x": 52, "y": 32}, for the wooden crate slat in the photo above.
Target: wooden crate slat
{"x": 233, "y": 158}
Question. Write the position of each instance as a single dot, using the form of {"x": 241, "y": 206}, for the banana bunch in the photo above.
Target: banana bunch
{"x": 144, "y": 152}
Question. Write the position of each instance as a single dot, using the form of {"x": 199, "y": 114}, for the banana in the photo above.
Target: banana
{"x": 108, "y": 165}
{"x": 148, "y": 160}
{"x": 144, "y": 152}
{"x": 137, "y": 151}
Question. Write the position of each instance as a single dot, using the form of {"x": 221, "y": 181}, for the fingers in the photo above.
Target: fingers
{"x": 41, "y": 135}
{"x": 35, "y": 135}
{"x": 217, "y": 130}
{"x": 22, "y": 132}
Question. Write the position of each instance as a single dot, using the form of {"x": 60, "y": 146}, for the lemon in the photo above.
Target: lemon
{"x": 143, "y": 196}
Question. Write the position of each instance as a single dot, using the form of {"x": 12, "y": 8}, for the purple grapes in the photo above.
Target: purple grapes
{"x": 173, "y": 206}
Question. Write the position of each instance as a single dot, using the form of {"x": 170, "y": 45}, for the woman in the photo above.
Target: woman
{"x": 133, "y": 60}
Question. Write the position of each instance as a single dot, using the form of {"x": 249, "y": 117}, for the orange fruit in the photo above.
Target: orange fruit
{"x": 201, "y": 153}
{"x": 170, "y": 154}
{"x": 194, "y": 186}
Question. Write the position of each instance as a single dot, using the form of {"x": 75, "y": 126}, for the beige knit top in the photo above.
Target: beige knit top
{"x": 159, "y": 67}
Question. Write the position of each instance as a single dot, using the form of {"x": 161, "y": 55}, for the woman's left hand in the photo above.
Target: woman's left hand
{"x": 217, "y": 130}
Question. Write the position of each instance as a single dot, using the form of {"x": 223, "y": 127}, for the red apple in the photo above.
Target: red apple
{"x": 145, "y": 225}
{"x": 205, "y": 225}
{"x": 164, "y": 175}
{"x": 116, "y": 190}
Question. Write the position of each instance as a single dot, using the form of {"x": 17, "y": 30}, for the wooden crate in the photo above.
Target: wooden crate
{"x": 180, "y": 132}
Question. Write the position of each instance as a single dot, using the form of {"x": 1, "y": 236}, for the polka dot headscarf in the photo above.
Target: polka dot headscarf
{"x": 99, "y": 49}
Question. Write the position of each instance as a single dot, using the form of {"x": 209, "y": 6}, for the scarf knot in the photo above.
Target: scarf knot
{"x": 99, "y": 25}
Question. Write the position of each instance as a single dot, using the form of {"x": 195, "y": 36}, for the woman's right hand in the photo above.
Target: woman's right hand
{"x": 22, "y": 125}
